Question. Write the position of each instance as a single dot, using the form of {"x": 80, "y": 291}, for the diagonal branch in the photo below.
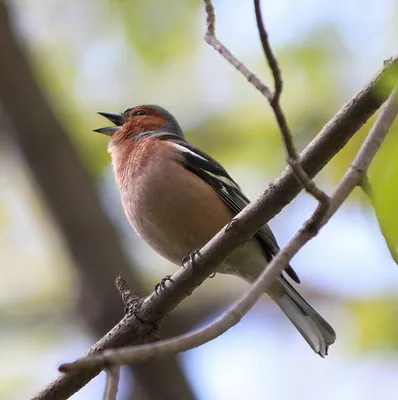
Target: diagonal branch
{"x": 231, "y": 317}
{"x": 317, "y": 154}
{"x": 112, "y": 383}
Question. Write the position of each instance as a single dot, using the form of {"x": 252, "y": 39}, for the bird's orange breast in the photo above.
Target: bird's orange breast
{"x": 172, "y": 209}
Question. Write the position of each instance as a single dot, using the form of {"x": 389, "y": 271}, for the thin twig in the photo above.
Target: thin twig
{"x": 368, "y": 190}
{"x": 212, "y": 40}
{"x": 112, "y": 382}
{"x": 290, "y": 148}
{"x": 231, "y": 317}
{"x": 130, "y": 299}
{"x": 272, "y": 61}
{"x": 332, "y": 138}
{"x": 273, "y": 98}
{"x": 378, "y": 132}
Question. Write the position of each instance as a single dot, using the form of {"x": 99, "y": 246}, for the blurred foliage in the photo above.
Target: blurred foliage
{"x": 108, "y": 55}
{"x": 9, "y": 386}
{"x": 375, "y": 321}
{"x": 155, "y": 38}
{"x": 384, "y": 178}
{"x": 58, "y": 78}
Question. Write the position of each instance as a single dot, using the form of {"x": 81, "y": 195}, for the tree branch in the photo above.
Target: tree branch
{"x": 112, "y": 383}
{"x": 272, "y": 61}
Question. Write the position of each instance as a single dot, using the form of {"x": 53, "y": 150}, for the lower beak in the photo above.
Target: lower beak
{"x": 108, "y": 130}
{"x": 117, "y": 119}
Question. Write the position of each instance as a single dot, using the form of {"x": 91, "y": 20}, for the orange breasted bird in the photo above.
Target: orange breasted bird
{"x": 177, "y": 198}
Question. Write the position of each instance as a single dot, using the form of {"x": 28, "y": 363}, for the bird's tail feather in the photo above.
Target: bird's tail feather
{"x": 315, "y": 330}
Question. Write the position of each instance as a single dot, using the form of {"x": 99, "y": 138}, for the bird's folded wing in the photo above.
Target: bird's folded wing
{"x": 229, "y": 191}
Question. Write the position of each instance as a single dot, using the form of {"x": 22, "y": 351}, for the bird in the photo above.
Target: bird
{"x": 176, "y": 197}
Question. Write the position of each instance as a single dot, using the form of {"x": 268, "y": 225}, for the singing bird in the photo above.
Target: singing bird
{"x": 177, "y": 198}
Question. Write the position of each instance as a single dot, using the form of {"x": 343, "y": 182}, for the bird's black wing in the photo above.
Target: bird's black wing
{"x": 208, "y": 169}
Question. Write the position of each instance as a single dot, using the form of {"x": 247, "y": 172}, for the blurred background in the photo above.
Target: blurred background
{"x": 63, "y": 234}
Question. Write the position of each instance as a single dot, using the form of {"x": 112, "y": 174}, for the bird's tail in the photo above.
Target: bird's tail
{"x": 315, "y": 330}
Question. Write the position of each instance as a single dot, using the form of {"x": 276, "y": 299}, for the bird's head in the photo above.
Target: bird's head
{"x": 140, "y": 122}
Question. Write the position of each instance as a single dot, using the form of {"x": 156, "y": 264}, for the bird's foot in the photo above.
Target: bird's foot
{"x": 190, "y": 258}
{"x": 163, "y": 284}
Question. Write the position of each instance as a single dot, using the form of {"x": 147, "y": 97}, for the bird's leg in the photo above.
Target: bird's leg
{"x": 162, "y": 284}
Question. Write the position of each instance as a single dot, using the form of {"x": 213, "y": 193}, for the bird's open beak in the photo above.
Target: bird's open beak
{"x": 117, "y": 119}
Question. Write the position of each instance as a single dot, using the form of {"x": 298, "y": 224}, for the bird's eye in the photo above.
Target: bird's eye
{"x": 140, "y": 112}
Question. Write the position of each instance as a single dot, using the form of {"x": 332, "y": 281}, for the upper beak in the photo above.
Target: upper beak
{"x": 117, "y": 119}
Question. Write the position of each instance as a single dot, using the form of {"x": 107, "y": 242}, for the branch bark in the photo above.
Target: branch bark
{"x": 112, "y": 383}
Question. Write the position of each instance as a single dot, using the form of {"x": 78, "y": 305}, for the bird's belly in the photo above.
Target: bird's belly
{"x": 174, "y": 216}
{"x": 247, "y": 262}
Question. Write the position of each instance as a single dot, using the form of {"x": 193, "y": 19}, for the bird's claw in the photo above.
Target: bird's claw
{"x": 212, "y": 275}
{"x": 162, "y": 284}
{"x": 190, "y": 258}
